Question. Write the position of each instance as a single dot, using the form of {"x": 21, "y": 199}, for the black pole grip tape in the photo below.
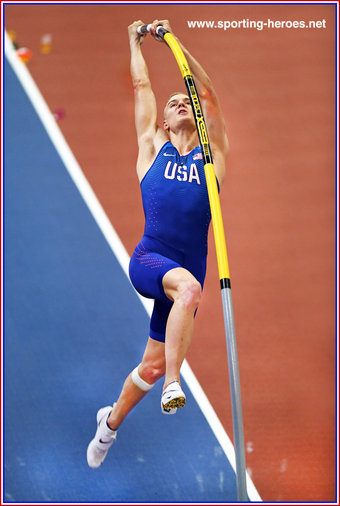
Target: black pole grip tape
{"x": 143, "y": 29}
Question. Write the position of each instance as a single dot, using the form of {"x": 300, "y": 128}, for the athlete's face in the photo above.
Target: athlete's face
{"x": 178, "y": 112}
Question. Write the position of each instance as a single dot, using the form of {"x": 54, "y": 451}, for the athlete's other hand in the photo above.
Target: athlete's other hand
{"x": 134, "y": 36}
{"x": 158, "y": 22}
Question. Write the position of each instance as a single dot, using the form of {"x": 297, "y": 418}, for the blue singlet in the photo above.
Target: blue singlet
{"x": 177, "y": 218}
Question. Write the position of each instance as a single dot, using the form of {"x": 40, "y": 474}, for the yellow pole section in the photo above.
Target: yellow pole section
{"x": 178, "y": 53}
{"x": 215, "y": 206}
{"x": 216, "y": 215}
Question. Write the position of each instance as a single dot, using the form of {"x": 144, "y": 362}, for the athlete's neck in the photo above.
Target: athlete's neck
{"x": 184, "y": 140}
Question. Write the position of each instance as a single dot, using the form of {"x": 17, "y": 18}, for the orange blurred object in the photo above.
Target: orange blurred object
{"x": 46, "y": 43}
{"x": 24, "y": 54}
{"x": 12, "y": 35}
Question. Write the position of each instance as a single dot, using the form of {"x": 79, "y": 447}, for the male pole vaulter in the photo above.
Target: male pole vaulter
{"x": 169, "y": 263}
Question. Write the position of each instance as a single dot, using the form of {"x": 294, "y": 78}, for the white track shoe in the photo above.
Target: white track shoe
{"x": 173, "y": 397}
{"x": 102, "y": 441}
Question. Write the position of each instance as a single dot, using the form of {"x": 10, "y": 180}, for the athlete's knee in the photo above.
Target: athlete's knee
{"x": 189, "y": 293}
{"x": 152, "y": 371}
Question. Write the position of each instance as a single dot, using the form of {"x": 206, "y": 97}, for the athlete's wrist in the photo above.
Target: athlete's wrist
{"x": 135, "y": 46}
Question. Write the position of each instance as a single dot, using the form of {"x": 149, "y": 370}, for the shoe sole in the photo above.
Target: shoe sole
{"x": 177, "y": 402}
{"x": 95, "y": 463}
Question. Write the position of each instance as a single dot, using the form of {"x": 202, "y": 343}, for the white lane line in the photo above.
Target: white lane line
{"x": 113, "y": 240}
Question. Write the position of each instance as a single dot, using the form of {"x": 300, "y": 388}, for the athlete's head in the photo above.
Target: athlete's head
{"x": 178, "y": 112}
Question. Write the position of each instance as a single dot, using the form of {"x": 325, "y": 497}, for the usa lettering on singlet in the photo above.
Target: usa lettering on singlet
{"x": 182, "y": 173}
{"x": 175, "y": 200}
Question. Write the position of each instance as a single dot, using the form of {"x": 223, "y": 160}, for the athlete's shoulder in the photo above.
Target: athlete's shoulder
{"x": 161, "y": 138}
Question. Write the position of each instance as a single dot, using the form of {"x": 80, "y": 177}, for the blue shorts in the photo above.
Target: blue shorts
{"x": 149, "y": 263}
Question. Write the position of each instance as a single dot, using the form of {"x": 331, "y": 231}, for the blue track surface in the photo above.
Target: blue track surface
{"x": 73, "y": 329}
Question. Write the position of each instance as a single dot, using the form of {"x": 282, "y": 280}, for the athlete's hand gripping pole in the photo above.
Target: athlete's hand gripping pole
{"x": 221, "y": 252}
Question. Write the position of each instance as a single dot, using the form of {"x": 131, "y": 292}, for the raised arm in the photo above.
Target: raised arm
{"x": 145, "y": 104}
{"x": 210, "y": 105}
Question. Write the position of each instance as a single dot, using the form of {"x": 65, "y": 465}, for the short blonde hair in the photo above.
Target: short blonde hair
{"x": 175, "y": 93}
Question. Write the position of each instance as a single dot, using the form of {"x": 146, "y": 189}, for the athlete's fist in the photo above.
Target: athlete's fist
{"x": 134, "y": 36}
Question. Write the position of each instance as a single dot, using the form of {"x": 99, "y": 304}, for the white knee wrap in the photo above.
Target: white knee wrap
{"x": 139, "y": 382}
